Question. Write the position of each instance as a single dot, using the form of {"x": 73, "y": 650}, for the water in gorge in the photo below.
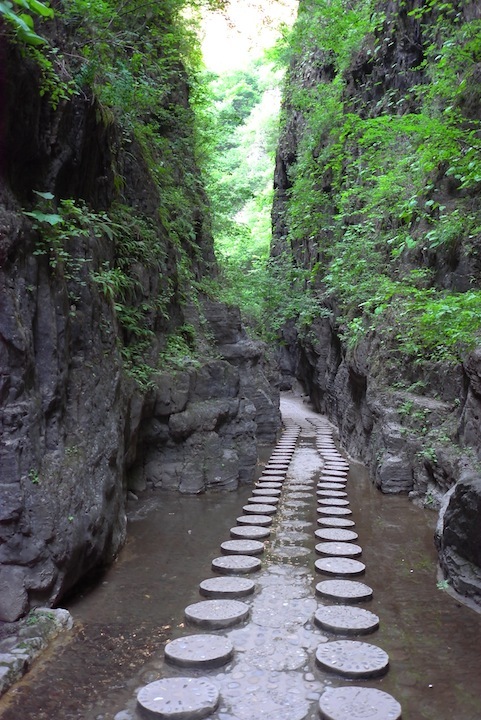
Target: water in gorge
{"x": 123, "y": 622}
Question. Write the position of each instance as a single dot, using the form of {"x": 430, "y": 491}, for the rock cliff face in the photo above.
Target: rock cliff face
{"x": 415, "y": 425}
{"x": 90, "y": 404}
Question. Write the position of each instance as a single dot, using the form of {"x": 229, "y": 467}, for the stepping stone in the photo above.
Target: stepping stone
{"x": 323, "y": 510}
{"x": 339, "y": 502}
{"x": 332, "y": 479}
{"x": 331, "y": 485}
{"x": 226, "y": 587}
{"x": 246, "y": 547}
{"x": 266, "y": 492}
{"x": 358, "y": 703}
{"x": 216, "y": 614}
{"x": 352, "y": 659}
{"x": 335, "y": 473}
{"x": 259, "y": 509}
{"x": 268, "y": 485}
{"x": 199, "y": 651}
{"x": 263, "y": 500}
{"x": 336, "y": 534}
{"x": 340, "y": 566}
{"x": 339, "y": 522}
{"x": 261, "y": 520}
{"x": 272, "y": 478}
{"x": 338, "y": 549}
{"x": 331, "y": 493}
{"x": 255, "y": 532}
{"x": 345, "y": 590}
{"x": 346, "y": 620}
{"x": 178, "y": 699}
{"x": 278, "y": 472}
{"x": 237, "y": 564}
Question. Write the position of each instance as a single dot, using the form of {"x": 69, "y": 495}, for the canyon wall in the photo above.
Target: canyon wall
{"x": 410, "y": 412}
{"x": 118, "y": 369}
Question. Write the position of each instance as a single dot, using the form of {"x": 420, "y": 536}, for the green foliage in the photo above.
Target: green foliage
{"x": 180, "y": 350}
{"x": 366, "y": 191}
{"x": 20, "y": 15}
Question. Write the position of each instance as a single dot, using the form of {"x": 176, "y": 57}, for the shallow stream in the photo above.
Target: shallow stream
{"x": 122, "y": 624}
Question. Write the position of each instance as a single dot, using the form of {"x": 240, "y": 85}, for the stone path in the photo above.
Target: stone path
{"x": 268, "y": 642}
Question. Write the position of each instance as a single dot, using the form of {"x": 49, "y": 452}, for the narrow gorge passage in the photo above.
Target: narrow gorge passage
{"x": 122, "y": 625}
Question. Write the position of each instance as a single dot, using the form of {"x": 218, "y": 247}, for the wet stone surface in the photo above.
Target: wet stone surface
{"x": 334, "y": 510}
{"x": 199, "y": 651}
{"x": 339, "y": 549}
{"x": 339, "y": 566}
{"x": 242, "y": 547}
{"x": 337, "y": 502}
{"x": 267, "y": 492}
{"x": 331, "y": 493}
{"x": 226, "y": 587}
{"x": 252, "y": 532}
{"x": 346, "y": 620}
{"x": 344, "y": 590}
{"x": 352, "y": 659}
{"x": 217, "y": 613}
{"x": 335, "y": 522}
{"x": 178, "y": 699}
{"x": 263, "y": 500}
{"x": 331, "y": 485}
{"x": 336, "y": 534}
{"x": 261, "y": 520}
{"x": 259, "y": 509}
{"x": 358, "y": 703}
{"x": 234, "y": 564}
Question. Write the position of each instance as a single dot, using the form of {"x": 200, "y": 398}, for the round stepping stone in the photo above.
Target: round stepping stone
{"x": 336, "y": 534}
{"x": 276, "y": 466}
{"x": 335, "y": 473}
{"x": 216, "y": 614}
{"x": 346, "y": 620}
{"x": 352, "y": 659}
{"x": 337, "y": 464}
{"x": 358, "y": 703}
{"x": 344, "y": 590}
{"x": 338, "y": 511}
{"x": 335, "y": 522}
{"x": 331, "y": 485}
{"x": 266, "y": 492}
{"x": 332, "y": 478}
{"x": 199, "y": 651}
{"x": 236, "y": 564}
{"x": 331, "y": 493}
{"x": 178, "y": 699}
{"x": 339, "y": 502}
{"x": 268, "y": 485}
{"x": 245, "y": 547}
{"x": 277, "y": 473}
{"x": 226, "y": 587}
{"x": 263, "y": 499}
{"x": 255, "y": 532}
{"x": 340, "y": 566}
{"x": 338, "y": 549}
{"x": 261, "y": 520}
{"x": 259, "y": 509}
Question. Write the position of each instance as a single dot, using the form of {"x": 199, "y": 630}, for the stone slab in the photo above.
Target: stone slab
{"x": 242, "y": 547}
{"x": 199, "y": 651}
{"x": 336, "y": 534}
{"x": 338, "y": 549}
{"x": 226, "y": 587}
{"x": 339, "y": 502}
{"x": 263, "y": 500}
{"x": 216, "y": 614}
{"x": 259, "y": 509}
{"x": 266, "y": 492}
{"x": 337, "y": 510}
{"x": 178, "y": 699}
{"x": 340, "y": 522}
{"x": 331, "y": 493}
{"x": 352, "y": 659}
{"x": 261, "y": 520}
{"x": 358, "y": 703}
{"x": 346, "y": 620}
{"x": 344, "y": 590}
{"x": 340, "y": 566}
{"x": 252, "y": 532}
{"x": 236, "y": 564}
